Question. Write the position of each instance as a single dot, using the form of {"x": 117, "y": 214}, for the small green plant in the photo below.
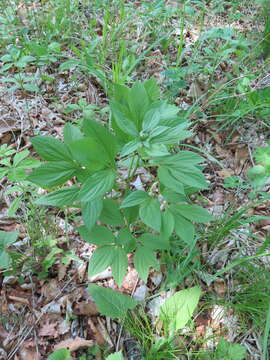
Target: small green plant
{"x": 87, "y": 110}
{"x": 115, "y": 356}
{"x": 147, "y": 132}
{"x": 259, "y": 174}
{"x": 15, "y": 58}
{"x": 6, "y": 239}
{"x": 174, "y": 315}
{"x": 228, "y": 351}
{"x": 61, "y": 354}
{"x": 22, "y": 82}
{"x": 15, "y": 166}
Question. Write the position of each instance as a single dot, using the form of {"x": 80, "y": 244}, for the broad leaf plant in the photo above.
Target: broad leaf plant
{"x": 121, "y": 216}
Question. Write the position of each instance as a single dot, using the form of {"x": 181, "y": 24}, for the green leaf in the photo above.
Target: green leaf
{"x": 130, "y": 147}
{"x": 111, "y": 303}
{"x": 178, "y": 309}
{"x": 150, "y": 213}
{"x": 151, "y": 119}
{"x": 126, "y": 240}
{"x": 134, "y": 198}
{"x": 28, "y": 163}
{"x": 20, "y": 156}
{"x": 72, "y": 133}
{"x": 131, "y": 214}
{"x": 5, "y": 259}
{"x": 111, "y": 214}
{"x": 172, "y": 135}
{"x": 52, "y": 174}
{"x": 190, "y": 176}
{"x": 167, "y": 224}
{"x": 3, "y": 172}
{"x": 138, "y": 102}
{"x": 228, "y": 351}
{"x": 154, "y": 150}
{"x": 183, "y": 228}
{"x": 99, "y": 235}
{"x": 16, "y": 174}
{"x": 97, "y": 185}
{"x": 69, "y": 64}
{"x": 103, "y": 137}
{"x": 153, "y": 242}
{"x": 14, "y": 206}
{"x": 31, "y": 87}
{"x": 101, "y": 259}
{"x": 91, "y": 211}
{"x": 144, "y": 259}
{"x": 88, "y": 153}
{"x": 127, "y": 126}
{"x": 119, "y": 265}
{"x": 51, "y": 149}
{"x": 66, "y": 196}
{"x": 152, "y": 89}
{"x": 115, "y": 356}
{"x": 194, "y": 213}
{"x": 61, "y": 354}
{"x": 167, "y": 179}
{"x": 8, "y": 238}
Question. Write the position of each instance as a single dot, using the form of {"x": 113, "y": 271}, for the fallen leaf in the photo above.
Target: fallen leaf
{"x": 130, "y": 280}
{"x": 74, "y": 344}
{"x": 28, "y": 354}
{"x": 50, "y": 289}
{"x": 96, "y": 333}
{"x": 85, "y": 308}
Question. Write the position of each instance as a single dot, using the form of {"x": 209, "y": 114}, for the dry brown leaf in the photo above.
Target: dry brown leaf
{"x": 224, "y": 173}
{"x": 85, "y": 308}
{"x": 220, "y": 287}
{"x": 50, "y": 289}
{"x": 29, "y": 354}
{"x": 96, "y": 333}
{"x": 195, "y": 90}
{"x": 49, "y": 329}
{"x": 62, "y": 270}
{"x": 130, "y": 280}
{"x": 81, "y": 272}
{"x": 241, "y": 155}
{"x": 74, "y": 344}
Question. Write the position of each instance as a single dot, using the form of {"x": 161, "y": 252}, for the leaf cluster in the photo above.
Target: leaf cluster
{"x": 101, "y": 162}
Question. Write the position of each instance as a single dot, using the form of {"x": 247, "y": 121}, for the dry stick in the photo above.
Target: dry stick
{"x": 121, "y": 328}
{"x": 16, "y": 348}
